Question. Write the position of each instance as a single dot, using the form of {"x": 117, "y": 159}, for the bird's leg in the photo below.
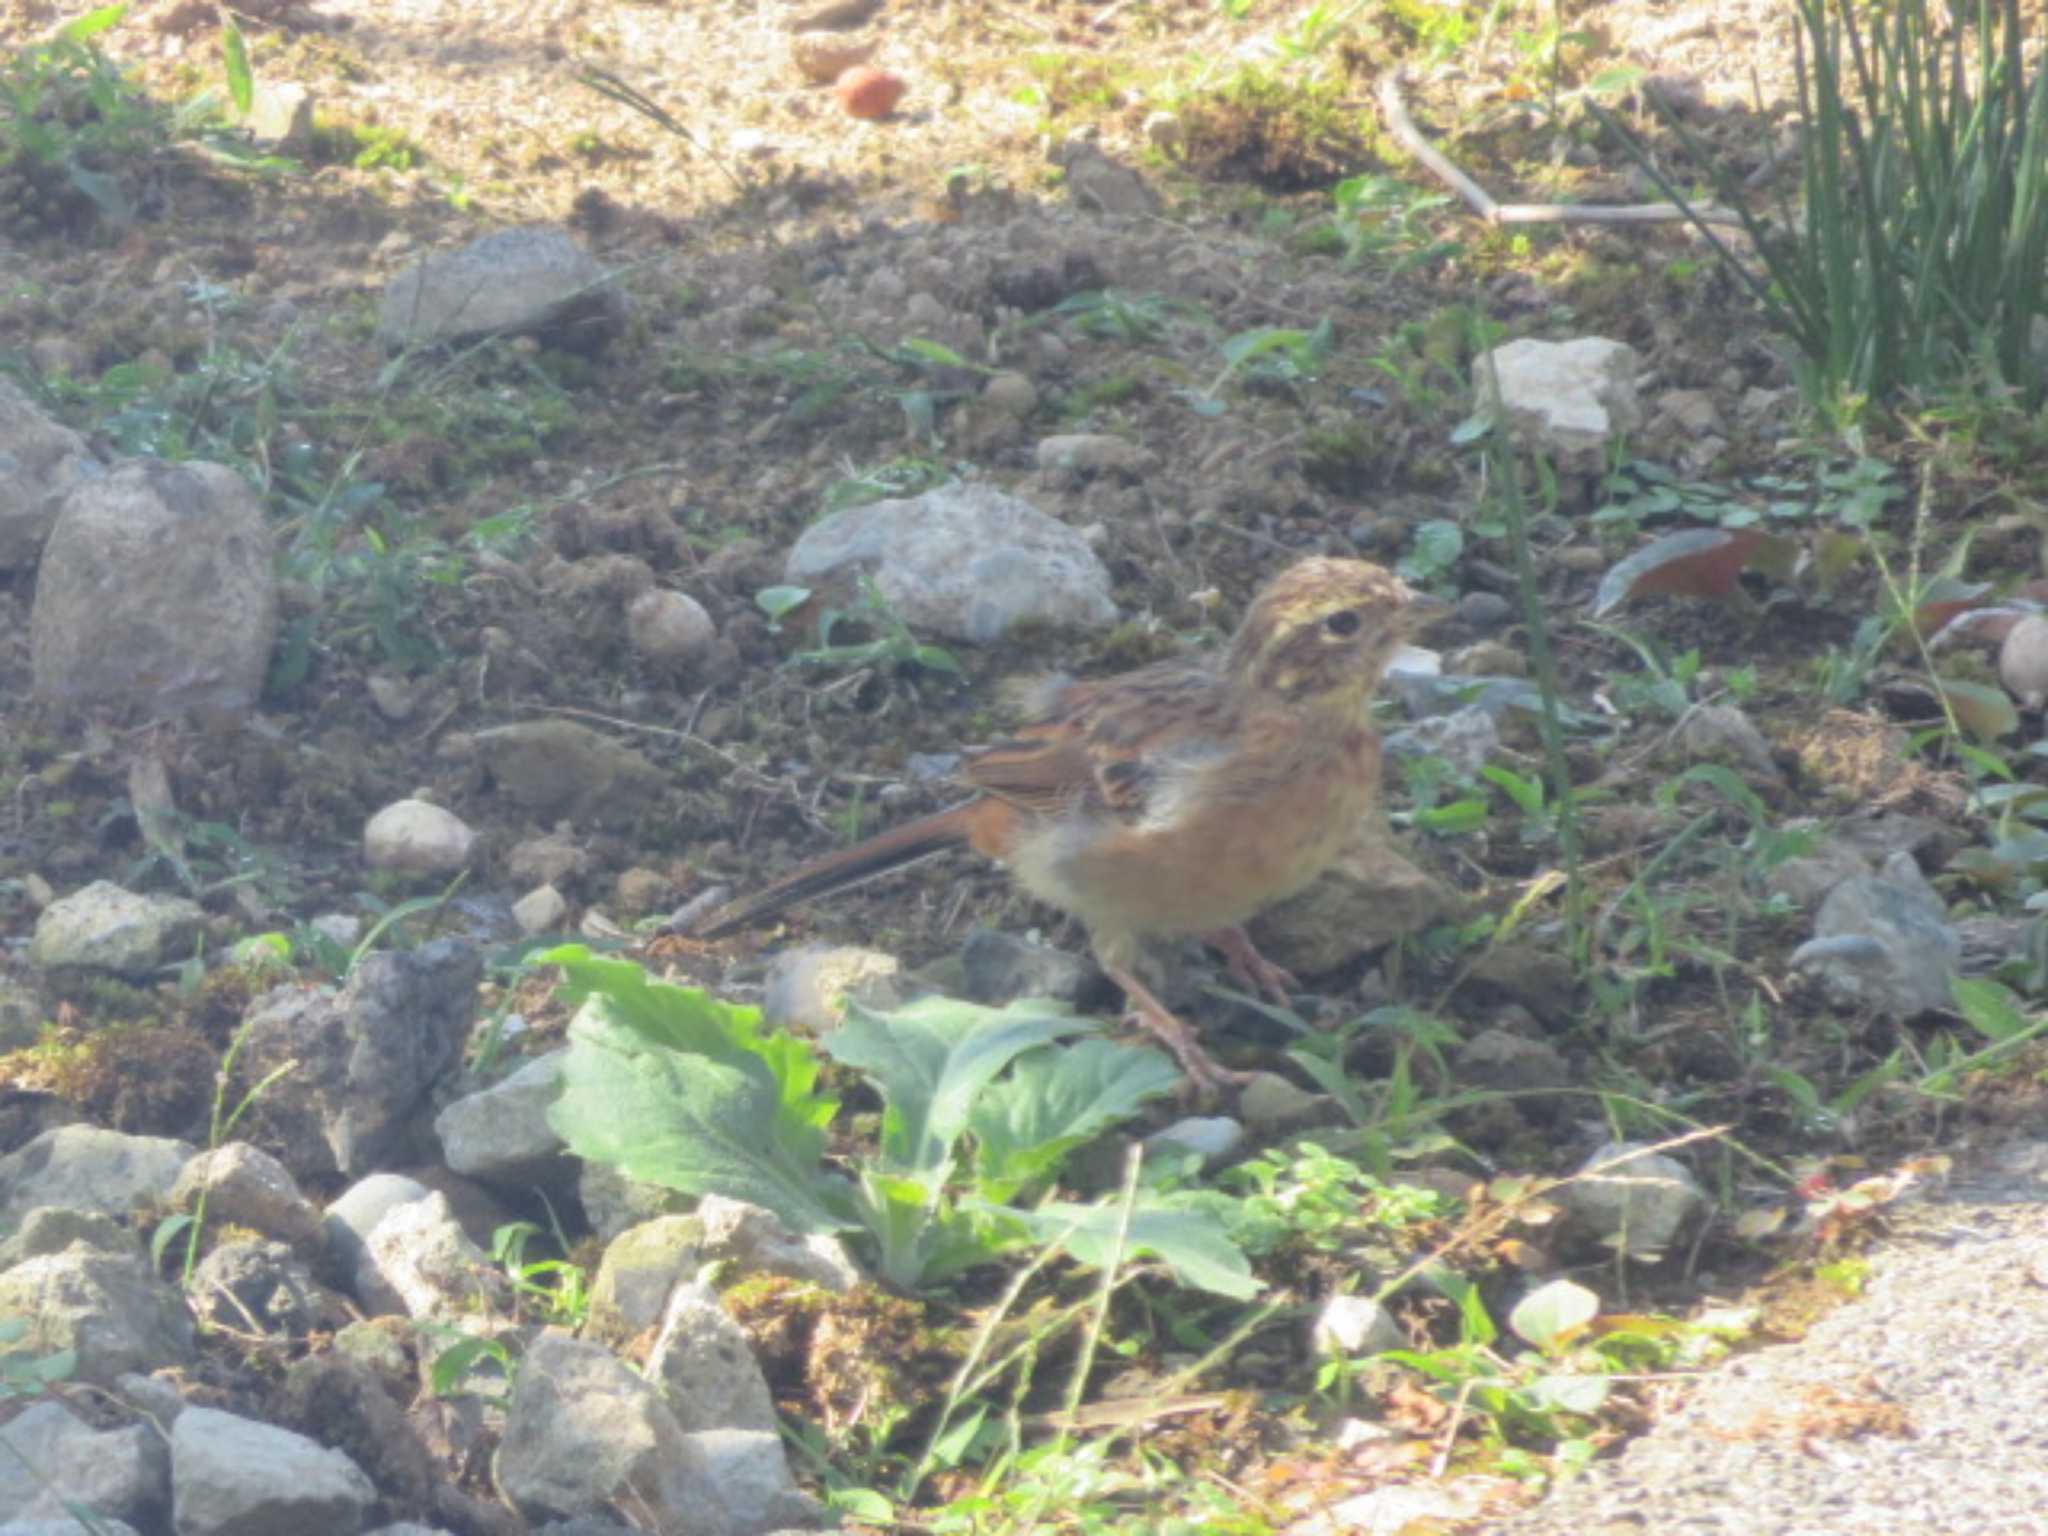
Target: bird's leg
{"x": 1251, "y": 970}
{"x": 1208, "y": 1074}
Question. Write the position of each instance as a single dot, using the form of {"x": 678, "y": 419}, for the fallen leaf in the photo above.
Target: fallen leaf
{"x": 1694, "y": 562}
{"x": 1985, "y": 712}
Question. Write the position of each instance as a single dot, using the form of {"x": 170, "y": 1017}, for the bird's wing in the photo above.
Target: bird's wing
{"x": 1115, "y": 745}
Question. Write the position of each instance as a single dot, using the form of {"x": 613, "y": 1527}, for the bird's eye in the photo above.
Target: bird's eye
{"x": 1343, "y": 622}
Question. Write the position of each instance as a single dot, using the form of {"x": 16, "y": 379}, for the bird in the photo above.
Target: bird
{"x": 1178, "y": 799}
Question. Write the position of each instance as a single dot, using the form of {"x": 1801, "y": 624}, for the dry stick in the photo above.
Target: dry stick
{"x": 1410, "y": 138}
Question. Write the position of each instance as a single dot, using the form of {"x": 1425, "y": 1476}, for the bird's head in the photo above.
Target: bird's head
{"x": 1326, "y": 628}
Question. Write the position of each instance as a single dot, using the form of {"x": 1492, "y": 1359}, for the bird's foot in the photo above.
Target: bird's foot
{"x": 1209, "y": 1076}
{"x": 1250, "y": 969}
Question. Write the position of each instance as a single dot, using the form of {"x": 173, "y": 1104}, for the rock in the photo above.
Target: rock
{"x": 502, "y": 1133}
{"x": 1467, "y": 740}
{"x": 417, "y": 837}
{"x": 281, "y": 115}
{"x": 809, "y": 987}
{"x": 999, "y": 967}
{"x": 367, "y": 1058}
{"x": 832, "y": 14}
{"x": 1487, "y": 658}
{"x": 1272, "y": 1106}
{"x": 756, "y": 1241}
{"x": 541, "y": 910}
{"x": 57, "y": 1461}
{"x": 1368, "y": 899}
{"x": 106, "y": 928}
{"x": 1637, "y": 1202}
{"x": 583, "y": 1432}
{"x": 41, "y": 463}
{"x": 670, "y": 630}
{"x": 1485, "y": 611}
{"x": 1210, "y": 1137}
{"x": 418, "y": 1260}
{"x": 2023, "y": 661}
{"x": 115, "y": 1314}
{"x": 532, "y": 281}
{"x": 246, "y": 1187}
{"x": 1163, "y": 131}
{"x": 352, "y": 1215}
{"x": 1691, "y": 412}
{"x": 21, "y": 1015}
{"x": 260, "y": 1287}
{"x": 556, "y": 768}
{"x": 868, "y": 93}
{"x": 552, "y": 859}
{"x": 704, "y": 1367}
{"x": 232, "y": 1476}
{"x": 639, "y": 1268}
{"x": 1011, "y": 394}
{"x": 1503, "y": 1061}
{"x": 84, "y": 1168}
{"x": 641, "y": 891}
{"x": 345, "y": 1405}
{"x": 1722, "y": 733}
{"x": 55, "y": 1228}
{"x": 1354, "y": 1325}
{"x": 1534, "y": 978}
{"x": 822, "y": 56}
{"x": 612, "y": 1202}
{"x": 392, "y": 697}
{"x": 1570, "y": 397}
{"x": 1094, "y": 453}
{"x": 966, "y": 561}
{"x": 1883, "y": 942}
{"x": 158, "y": 587}
{"x": 1102, "y": 185}
{"x": 1805, "y": 878}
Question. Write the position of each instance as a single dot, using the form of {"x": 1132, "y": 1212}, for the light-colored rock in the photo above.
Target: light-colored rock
{"x": 823, "y": 56}
{"x": 705, "y": 1368}
{"x": 640, "y": 1267}
{"x": 1354, "y": 1325}
{"x": 670, "y": 629}
{"x": 57, "y": 1461}
{"x": 1883, "y": 942}
{"x": 502, "y": 1132}
{"x": 531, "y": 281}
{"x": 1722, "y": 733}
{"x": 541, "y": 910}
{"x": 418, "y": 1260}
{"x": 1210, "y": 1137}
{"x": 756, "y": 1241}
{"x": 809, "y": 987}
{"x": 551, "y": 859}
{"x": 557, "y": 768}
{"x": 85, "y": 1168}
{"x": 281, "y": 114}
{"x": 105, "y": 928}
{"x": 354, "y": 1213}
{"x": 965, "y": 561}
{"x": 232, "y": 1476}
{"x": 41, "y": 462}
{"x": 261, "y": 1287}
{"x": 1634, "y": 1201}
{"x": 1569, "y": 397}
{"x": 1094, "y": 453}
{"x": 55, "y": 1228}
{"x": 246, "y": 1187}
{"x": 2023, "y": 661}
{"x": 158, "y": 586}
{"x": 1370, "y": 897}
{"x": 417, "y": 837}
{"x": 115, "y": 1314}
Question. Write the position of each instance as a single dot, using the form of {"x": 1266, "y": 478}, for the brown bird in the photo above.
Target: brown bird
{"x": 1177, "y": 799}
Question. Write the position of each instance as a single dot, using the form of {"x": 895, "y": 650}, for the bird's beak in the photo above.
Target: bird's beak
{"x": 1420, "y": 610}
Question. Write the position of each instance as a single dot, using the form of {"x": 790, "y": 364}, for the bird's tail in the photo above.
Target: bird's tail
{"x": 893, "y": 849}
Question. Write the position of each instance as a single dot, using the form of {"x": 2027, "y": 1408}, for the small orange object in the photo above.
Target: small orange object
{"x": 868, "y": 92}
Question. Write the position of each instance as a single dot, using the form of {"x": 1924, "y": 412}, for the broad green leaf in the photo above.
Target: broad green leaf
{"x": 1993, "y": 1011}
{"x": 690, "y": 1122}
{"x": 1189, "y": 1242}
{"x": 1054, "y": 1100}
{"x": 1982, "y": 710}
{"x": 1568, "y": 1394}
{"x": 929, "y": 1061}
{"x": 1551, "y": 1313}
{"x": 235, "y": 54}
{"x": 92, "y": 23}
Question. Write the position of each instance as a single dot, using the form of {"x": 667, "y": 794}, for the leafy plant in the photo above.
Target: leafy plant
{"x": 561, "y": 1288}
{"x": 1382, "y": 217}
{"x": 980, "y": 1108}
{"x": 892, "y": 643}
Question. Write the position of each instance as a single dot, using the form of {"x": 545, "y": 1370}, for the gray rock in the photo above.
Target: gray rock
{"x": 1000, "y": 967}
{"x": 1211, "y": 1137}
{"x": 1466, "y": 739}
{"x": 232, "y": 1476}
{"x": 1354, "y": 1325}
{"x": 351, "y": 1216}
{"x": 756, "y": 1241}
{"x": 554, "y": 858}
{"x": 503, "y": 1132}
{"x": 705, "y": 1368}
{"x": 281, "y": 114}
{"x": 517, "y": 281}
{"x": 1502, "y": 1060}
{"x": 965, "y": 561}
{"x": 612, "y": 1203}
{"x": 1369, "y": 898}
{"x": 261, "y": 1288}
{"x": 558, "y": 769}
{"x": 1484, "y": 611}
{"x": 639, "y": 1268}
{"x": 105, "y": 928}
{"x": 56, "y": 1460}
{"x": 1570, "y": 397}
{"x": 84, "y": 1168}
{"x": 367, "y": 1058}
{"x": 55, "y": 1228}
{"x": 112, "y": 1311}
{"x": 1722, "y": 733}
{"x": 670, "y": 629}
{"x": 1094, "y": 453}
{"x": 41, "y": 462}
{"x": 418, "y": 1260}
{"x": 1634, "y": 1201}
{"x": 541, "y": 910}
{"x": 246, "y": 1187}
{"x": 417, "y": 837}
{"x": 1883, "y": 942}
{"x": 809, "y": 987}
{"x": 158, "y": 586}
